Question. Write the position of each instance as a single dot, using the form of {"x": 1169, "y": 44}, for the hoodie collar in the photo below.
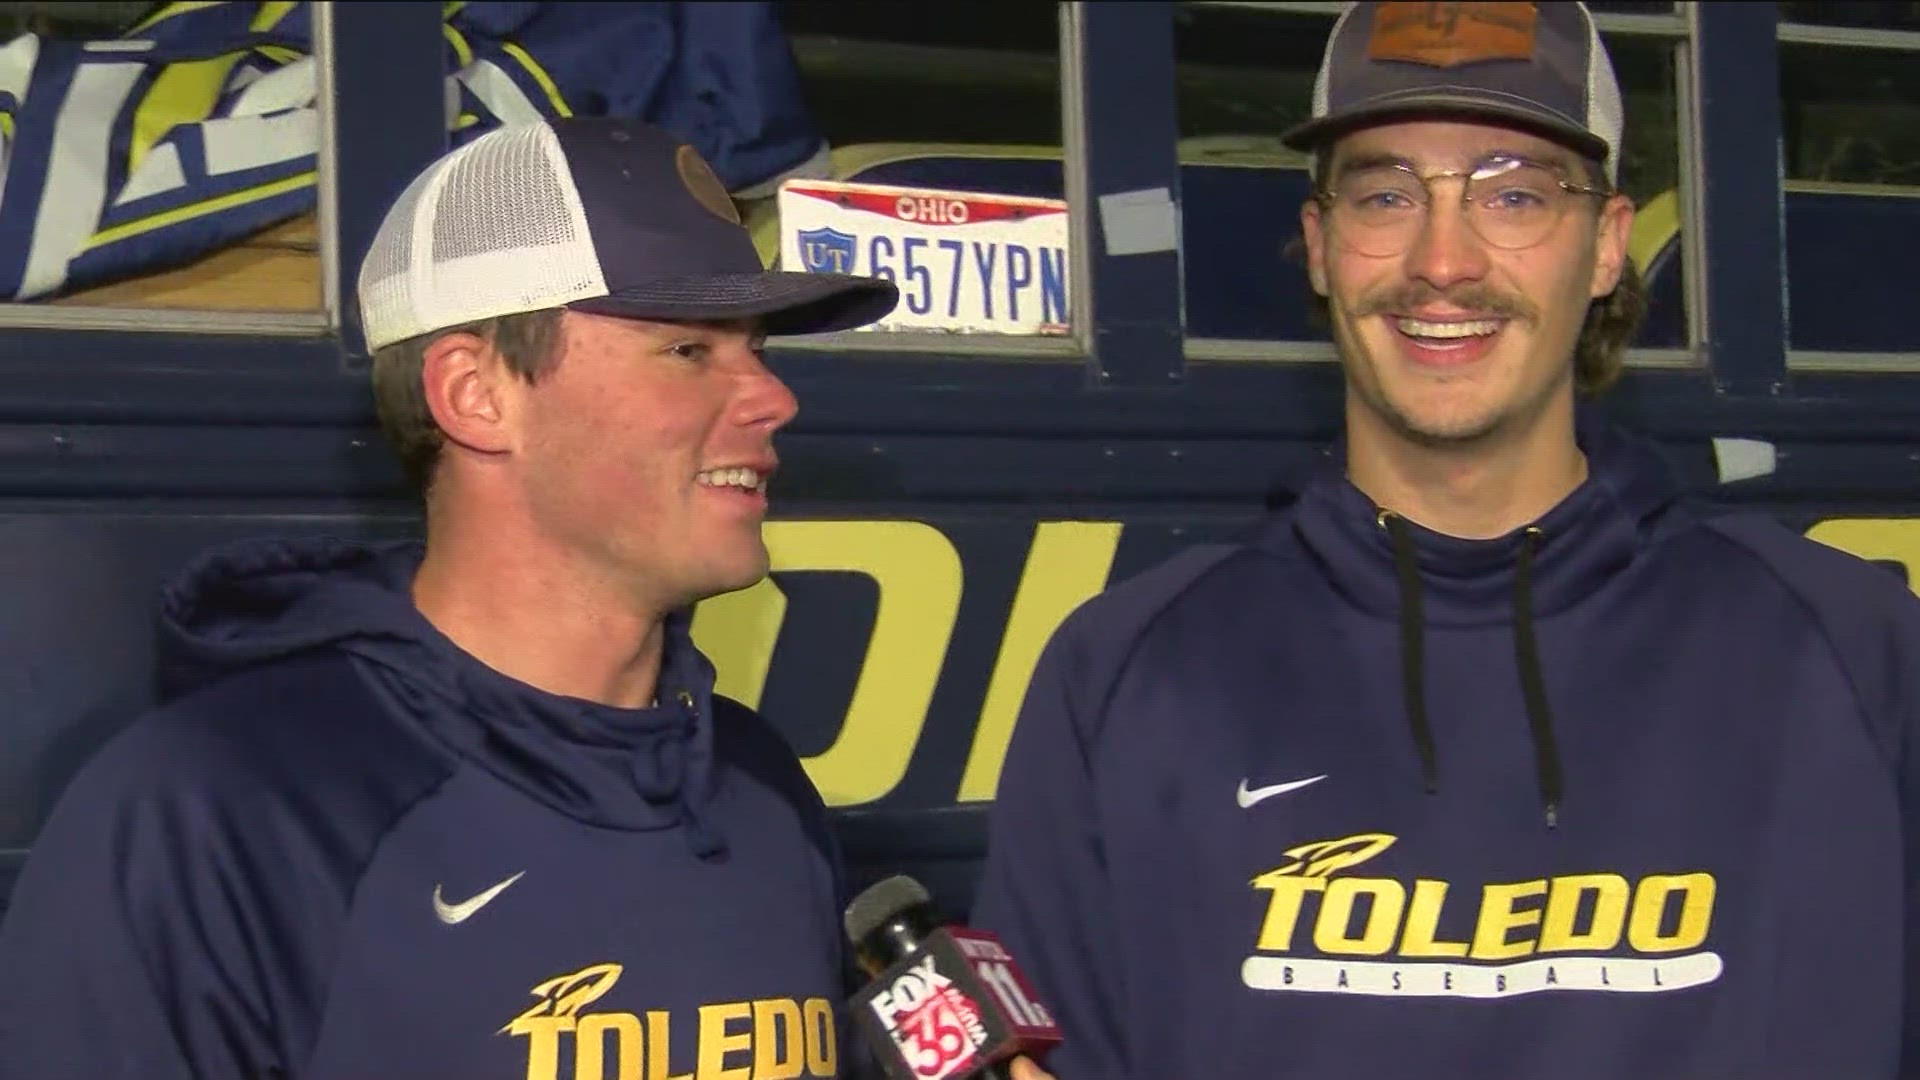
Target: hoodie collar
{"x": 252, "y": 602}
{"x": 1576, "y": 547}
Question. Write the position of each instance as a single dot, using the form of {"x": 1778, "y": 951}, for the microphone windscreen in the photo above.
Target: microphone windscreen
{"x": 880, "y": 903}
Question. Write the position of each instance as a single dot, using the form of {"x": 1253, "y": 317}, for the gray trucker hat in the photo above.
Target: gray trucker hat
{"x": 1539, "y": 66}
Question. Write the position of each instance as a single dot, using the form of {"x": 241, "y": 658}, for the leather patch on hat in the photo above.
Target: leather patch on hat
{"x": 1449, "y": 35}
{"x": 703, "y": 185}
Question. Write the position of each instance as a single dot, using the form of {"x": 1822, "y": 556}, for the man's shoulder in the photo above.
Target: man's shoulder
{"x": 1868, "y": 617}
{"x": 303, "y": 736}
{"x": 1832, "y": 581}
{"x": 1120, "y": 614}
{"x": 1099, "y": 640}
{"x": 746, "y": 740}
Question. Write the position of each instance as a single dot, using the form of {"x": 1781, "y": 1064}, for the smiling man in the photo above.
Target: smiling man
{"x": 1493, "y": 755}
{"x": 472, "y": 808}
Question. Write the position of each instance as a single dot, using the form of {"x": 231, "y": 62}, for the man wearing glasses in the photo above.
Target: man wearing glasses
{"x": 1493, "y": 755}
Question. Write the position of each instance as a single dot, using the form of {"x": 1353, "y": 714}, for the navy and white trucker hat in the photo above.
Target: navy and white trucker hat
{"x": 1540, "y": 67}
{"x": 597, "y": 214}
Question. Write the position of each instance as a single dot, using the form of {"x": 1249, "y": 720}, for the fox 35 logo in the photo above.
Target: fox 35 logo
{"x": 935, "y": 1025}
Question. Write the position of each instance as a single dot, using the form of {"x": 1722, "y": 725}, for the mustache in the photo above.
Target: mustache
{"x": 1477, "y": 297}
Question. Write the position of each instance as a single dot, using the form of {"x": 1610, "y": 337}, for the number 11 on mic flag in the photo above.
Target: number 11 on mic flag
{"x": 951, "y": 1004}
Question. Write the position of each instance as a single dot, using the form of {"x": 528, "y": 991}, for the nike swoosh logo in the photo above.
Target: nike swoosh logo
{"x": 462, "y": 911}
{"x": 1248, "y": 796}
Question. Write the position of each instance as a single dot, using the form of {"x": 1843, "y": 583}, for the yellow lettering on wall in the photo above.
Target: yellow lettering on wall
{"x": 1068, "y": 563}
{"x": 738, "y": 631}
{"x": 1879, "y": 539}
{"x": 919, "y": 577}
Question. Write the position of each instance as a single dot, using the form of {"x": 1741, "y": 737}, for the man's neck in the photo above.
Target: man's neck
{"x": 535, "y": 616}
{"x": 1476, "y": 491}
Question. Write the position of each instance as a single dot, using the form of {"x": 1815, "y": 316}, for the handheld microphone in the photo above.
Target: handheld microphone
{"x": 946, "y": 1002}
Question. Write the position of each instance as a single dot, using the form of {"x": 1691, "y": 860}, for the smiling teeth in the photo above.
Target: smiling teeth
{"x": 1421, "y": 328}
{"x": 749, "y": 479}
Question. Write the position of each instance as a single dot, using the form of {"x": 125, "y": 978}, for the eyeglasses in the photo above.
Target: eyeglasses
{"x": 1511, "y": 203}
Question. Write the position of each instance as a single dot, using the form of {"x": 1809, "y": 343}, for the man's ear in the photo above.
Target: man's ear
{"x": 1613, "y": 241}
{"x": 1310, "y": 231}
{"x": 464, "y": 383}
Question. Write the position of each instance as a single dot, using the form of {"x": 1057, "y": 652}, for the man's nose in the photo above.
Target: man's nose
{"x": 761, "y": 400}
{"x": 1446, "y": 250}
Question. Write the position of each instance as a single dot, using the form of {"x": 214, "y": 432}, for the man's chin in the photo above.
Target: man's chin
{"x": 1441, "y": 433}
{"x": 1437, "y": 426}
{"x": 745, "y": 575}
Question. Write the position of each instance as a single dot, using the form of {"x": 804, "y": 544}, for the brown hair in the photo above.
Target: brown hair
{"x": 528, "y": 343}
{"x": 1612, "y": 321}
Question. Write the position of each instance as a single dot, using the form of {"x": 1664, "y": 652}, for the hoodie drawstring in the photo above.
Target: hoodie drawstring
{"x": 1413, "y": 680}
{"x": 1533, "y": 687}
{"x": 662, "y": 773}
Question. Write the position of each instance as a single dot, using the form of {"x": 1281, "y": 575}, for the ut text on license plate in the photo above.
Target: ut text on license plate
{"x": 964, "y": 262}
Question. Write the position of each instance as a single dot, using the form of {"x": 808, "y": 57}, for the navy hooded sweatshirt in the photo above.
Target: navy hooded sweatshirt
{"x": 1627, "y": 793}
{"x": 346, "y": 849}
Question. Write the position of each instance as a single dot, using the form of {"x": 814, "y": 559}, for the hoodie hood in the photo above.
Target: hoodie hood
{"x": 1578, "y": 545}
{"x": 1393, "y": 568}
{"x": 256, "y": 601}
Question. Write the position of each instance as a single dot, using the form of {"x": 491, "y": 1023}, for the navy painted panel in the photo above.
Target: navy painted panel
{"x": 1128, "y": 131}
{"x": 1850, "y": 278}
{"x": 389, "y": 120}
{"x": 1740, "y": 168}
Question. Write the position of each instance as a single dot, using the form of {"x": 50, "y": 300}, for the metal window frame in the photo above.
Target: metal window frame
{"x": 1846, "y": 37}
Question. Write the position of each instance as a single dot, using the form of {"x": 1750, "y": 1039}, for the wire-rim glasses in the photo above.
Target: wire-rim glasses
{"x": 1512, "y": 203}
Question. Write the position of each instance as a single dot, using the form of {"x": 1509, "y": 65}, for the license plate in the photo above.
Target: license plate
{"x": 964, "y": 262}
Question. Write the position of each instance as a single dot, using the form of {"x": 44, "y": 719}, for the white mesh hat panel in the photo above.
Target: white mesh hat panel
{"x": 1606, "y": 117}
{"x": 494, "y": 228}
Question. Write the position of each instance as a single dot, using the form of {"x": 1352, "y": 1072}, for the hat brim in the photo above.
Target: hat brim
{"x": 785, "y": 302}
{"x": 1546, "y": 123}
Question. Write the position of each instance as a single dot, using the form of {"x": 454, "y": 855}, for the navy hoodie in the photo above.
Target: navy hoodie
{"x": 346, "y": 849}
{"x": 1629, "y": 792}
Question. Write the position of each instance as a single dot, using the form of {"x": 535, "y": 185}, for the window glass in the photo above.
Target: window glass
{"x": 1246, "y": 74}
{"x": 167, "y": 161}
{"x": 1850, "y": 138}
{"x": 1870, "y": 14}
